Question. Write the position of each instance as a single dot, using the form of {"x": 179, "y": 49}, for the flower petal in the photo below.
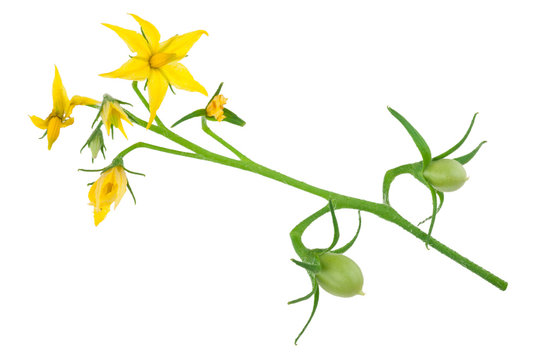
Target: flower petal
{"x": 121, "y": 181}
{"x": 180, "y": 77}
{"x": 80, "y": 100}
{"x": 66, "y": 122}
{"x": 135, "y": 41}
{"x": 151, "y": 33}
{"x": 60, "y": 97}
{"x": 53, "y": 130}
{"x": 123, "y": 115}
{"x": 100, "y": 214}
{"x": 157, "y": 87}
{"x": 181, "y": 44}
{"x": 106, "y": 116}
{"x": 133, "y": 69}
{"x": 39, "y": 122}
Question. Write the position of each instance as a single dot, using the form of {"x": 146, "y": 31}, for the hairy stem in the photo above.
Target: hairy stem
{"x": 157, "y": 148}
{"x": 383, "y": 211}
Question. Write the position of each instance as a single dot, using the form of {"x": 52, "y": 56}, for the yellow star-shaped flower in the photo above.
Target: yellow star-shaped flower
{"x": 60, "y": 117}
{"x": 157, "y": 62}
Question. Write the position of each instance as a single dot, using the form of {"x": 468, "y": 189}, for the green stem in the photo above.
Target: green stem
{"x": 340, "y": 201}
{"x": 157, "y": 148}
{"x": 228, "y": 146}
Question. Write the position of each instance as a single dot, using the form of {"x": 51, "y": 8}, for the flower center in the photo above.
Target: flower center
{"x": 160, "y": 59}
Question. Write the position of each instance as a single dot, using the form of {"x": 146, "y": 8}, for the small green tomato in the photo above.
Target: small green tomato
{"x": 340, "y": 276}
{"x": 445, "y": 175}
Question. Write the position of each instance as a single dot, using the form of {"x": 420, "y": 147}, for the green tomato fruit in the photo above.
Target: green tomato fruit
{"x": 445, "y": 175}
{"x": 340, "y": 276}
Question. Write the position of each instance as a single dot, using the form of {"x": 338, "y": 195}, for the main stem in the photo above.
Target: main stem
{"x": 340, "y": 201}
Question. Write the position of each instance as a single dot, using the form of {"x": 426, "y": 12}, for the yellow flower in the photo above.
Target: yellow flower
{"x": 60, "y": 117}
{"x": 157, "y": 62}
{"x": 216, "y": 107}
{"x": 112, "y": 114}
{"x": 108, "y": 189}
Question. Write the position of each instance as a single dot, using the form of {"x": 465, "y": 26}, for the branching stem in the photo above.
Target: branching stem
{"x": 340, "y": 201}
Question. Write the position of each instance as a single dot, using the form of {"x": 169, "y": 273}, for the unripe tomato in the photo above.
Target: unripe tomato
{"x": 340, "y": 275}
{"x": 445, "y": 175}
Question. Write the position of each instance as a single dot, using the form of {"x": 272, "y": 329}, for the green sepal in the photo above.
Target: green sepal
{"x": 314, "y": 308}
{"x": 232, "y": 118}
{"x": 419, "y": 176}
{"x": 144, "y": 36}
{"x": 96, "y": 170}
{"x": 466, "y": 158}
{"x": 44, "y": 134}
{"x": 133, "y": 172}
{"x": 131, "y": 192}
{"x": 346, "y": 247}
{"x": 454, "y": 148}
{"x": 217, "y": 92}
{"x": 307, "y": 296}
{"x": 196, "y": 113}
{"x": 441, "y": 197}
{"x": 123, "y": 102}
{"x": 336, "y": 235}
{"x": 312, "y": 268}
{"x": 97, "y": 118}
{"x": 417, "y": 138}
{"x": 434, "y": 212}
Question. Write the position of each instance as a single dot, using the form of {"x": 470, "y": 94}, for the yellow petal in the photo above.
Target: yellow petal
{"x": 100, "y": 214}
{"x": 135, "y": 41}
{"x": 181, "y": 44}
{"x": 92, "y": 194}
{"x": 216, "y": 107}
{"x": 80, "y": 100}
{"x": 121, "y": 181}
{"x": 180, "y": 77}
{"x": 39, "y": 122}
{"x": 123, "y": 115}
{"x": 157, "y": 87}
{"x": 150, "y": 31}
{"x": 120, "y": 115}
{"x": 133, "y": 69}
{"x": 53, "y": 130}
{"x": 60, "y": 97}
{"x": 106, "y": 116}
{"x": 66, "y": 122}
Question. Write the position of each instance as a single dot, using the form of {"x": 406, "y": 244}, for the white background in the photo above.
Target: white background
{"x": 200, "y": 268}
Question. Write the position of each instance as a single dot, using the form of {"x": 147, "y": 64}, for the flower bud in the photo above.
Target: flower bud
{"x": 96, "y": 143}
{"x": 445, "y": 175}
{"x": 339, "y": 275}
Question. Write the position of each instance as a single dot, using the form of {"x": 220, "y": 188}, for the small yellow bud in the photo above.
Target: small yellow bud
{"x": 216, "y": 107}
